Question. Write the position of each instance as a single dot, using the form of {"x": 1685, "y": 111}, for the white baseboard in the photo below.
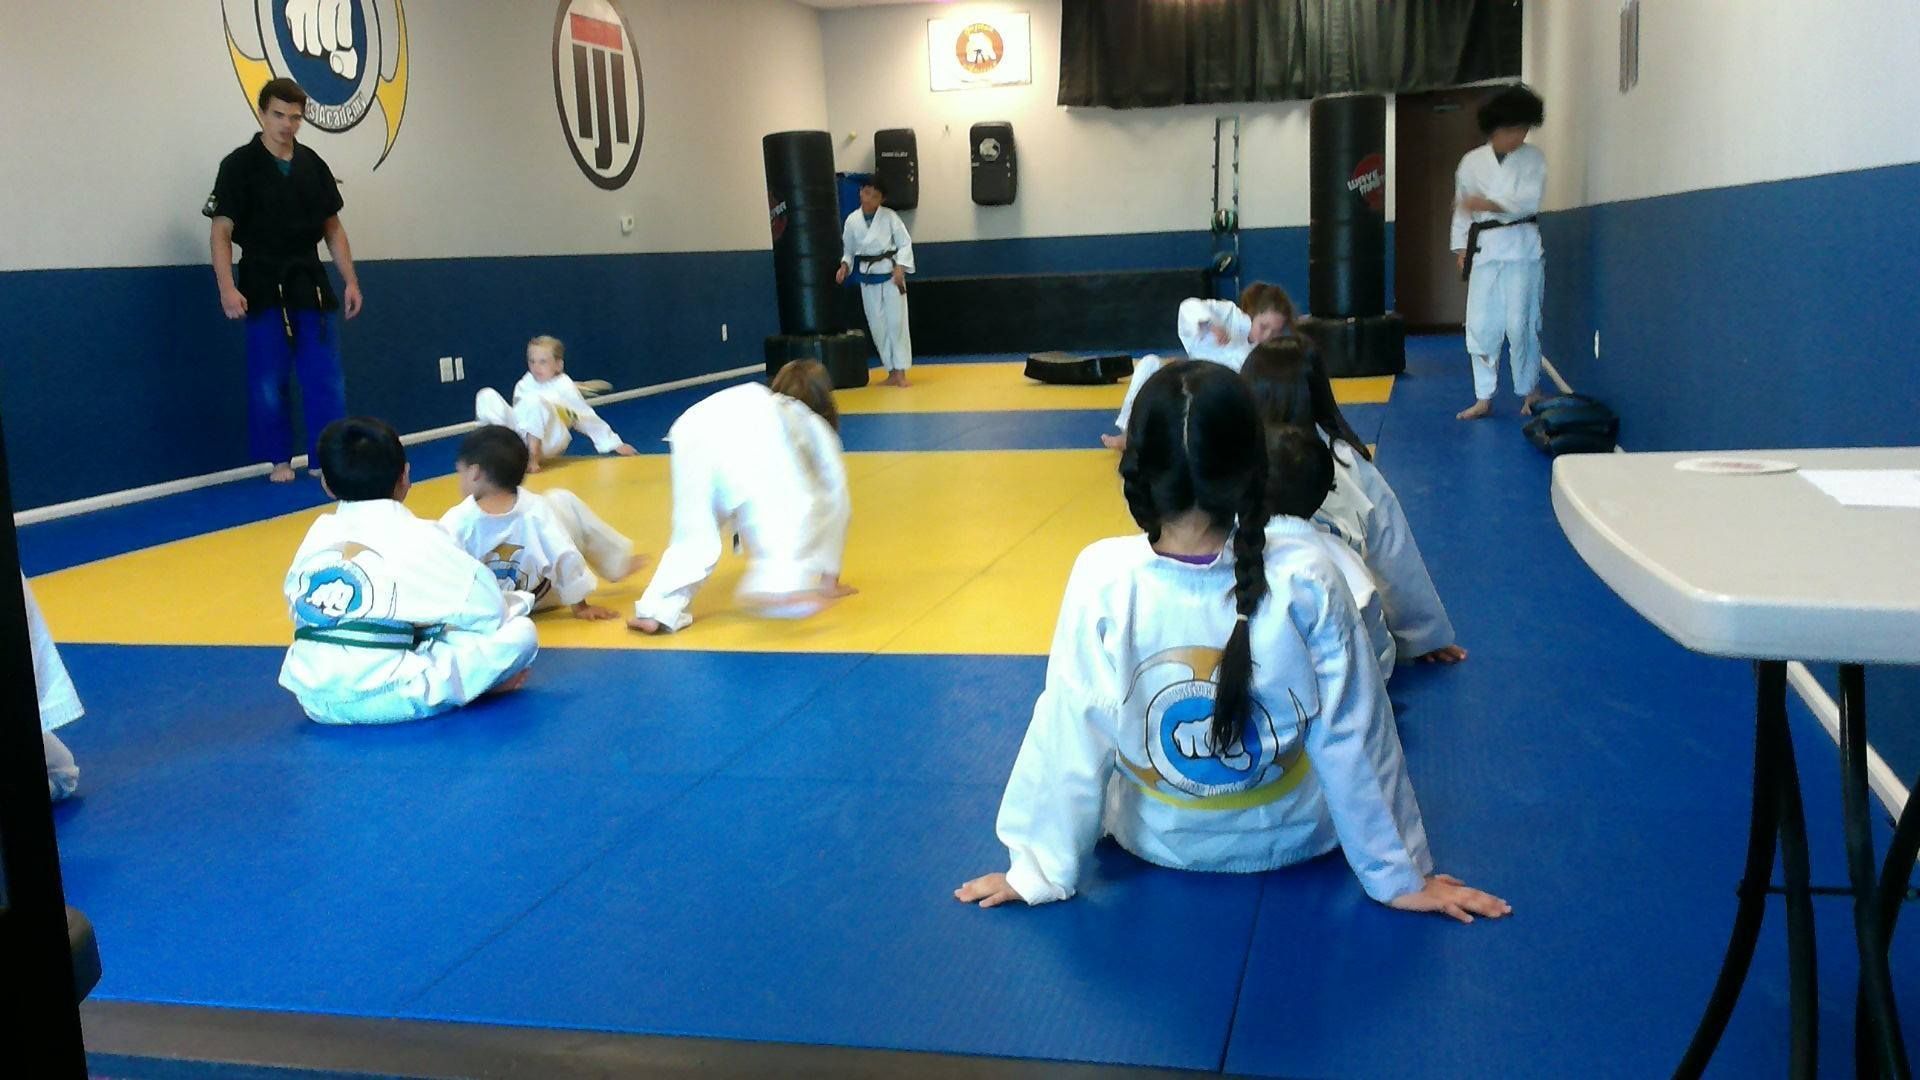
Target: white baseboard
{"x": 192, "y": 483}
{"x": 1886, "y": 784}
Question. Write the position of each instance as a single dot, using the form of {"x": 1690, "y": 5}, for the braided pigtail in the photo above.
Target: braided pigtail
{"x": 1233, "y": 699}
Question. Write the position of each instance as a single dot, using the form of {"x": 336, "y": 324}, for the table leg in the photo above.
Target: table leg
{"x": 1802, "y": 969}
{"x": 1879, "y": 1039}
{"x": 1762, "y": 827}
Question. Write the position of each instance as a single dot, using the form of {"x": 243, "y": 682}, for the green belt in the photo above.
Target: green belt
{"x": 371, "y": 634}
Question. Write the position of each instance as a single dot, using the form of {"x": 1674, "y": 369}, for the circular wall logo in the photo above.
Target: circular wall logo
{"x": 348, "y": 55}
{"x": 596, "y": 85}
{"x": 1369, "y": 181}
{"x": 979, "y": 48}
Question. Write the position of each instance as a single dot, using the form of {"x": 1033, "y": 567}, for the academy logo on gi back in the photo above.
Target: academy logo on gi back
{"x": 1180, "y": 761}
{"x": 1369, "y": 181}
{"x": 348, "y": 55}
{"x": 596, "y": 85}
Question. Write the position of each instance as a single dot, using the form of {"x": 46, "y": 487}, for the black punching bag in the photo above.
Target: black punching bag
{"x": 803, "y": 209}
{"x": 1347, "y": 240}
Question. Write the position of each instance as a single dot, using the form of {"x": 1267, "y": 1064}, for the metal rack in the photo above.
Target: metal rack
{"x": 1224, "y": 226}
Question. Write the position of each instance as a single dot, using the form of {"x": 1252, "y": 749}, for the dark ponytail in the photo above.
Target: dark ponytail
{"x": 1291, "y": 388}
{"x": 1195, "y": 439}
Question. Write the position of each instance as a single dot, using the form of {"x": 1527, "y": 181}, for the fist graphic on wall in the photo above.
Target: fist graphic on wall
{"x": 324, "y": 28}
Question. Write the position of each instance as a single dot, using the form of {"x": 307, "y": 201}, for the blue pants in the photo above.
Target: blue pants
{"x": 272, "y": 358}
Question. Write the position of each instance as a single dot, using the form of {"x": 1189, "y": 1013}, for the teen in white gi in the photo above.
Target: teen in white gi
{"x": 1187, "y": 752}
{"x": 548, "y": 544}
{"x": 877, "y": 251}
{"x": 763, "y": 464}
{"x": 1300, "y": 475}
{"x": 1217, "y": 330}
{"x": 1362, "y": 508}
{"x": 548, "y": 408}
{"x": 1495, "y": 240}
{"x": 59, "y": 702}
{"x": 392, "y": 621}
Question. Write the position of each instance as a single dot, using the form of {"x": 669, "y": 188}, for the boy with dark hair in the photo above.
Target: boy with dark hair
{"x": 541, "y": 543}
{"x": 391, "y": 620}
{"x": 1496, "y": 241}
{"x": 876, "y": 251}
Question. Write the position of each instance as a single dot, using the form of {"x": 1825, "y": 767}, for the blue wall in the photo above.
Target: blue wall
{"x": 1769, "y": 315}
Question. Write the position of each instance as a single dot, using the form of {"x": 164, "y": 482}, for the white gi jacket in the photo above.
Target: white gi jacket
{"x": 886, "y": 232}
{"x": 392, "y": 621}
{"x": 528, "y": 548}
{"x": 1363, "y": 511}
{"x": 59, "y": 702}
{"x": 567, "y": 408}
{"x": 1200, "y": 344}
{"x": 1353, "y": 570}
{"x": 1118, "y": 740}
{"x": 1518, "y": 183}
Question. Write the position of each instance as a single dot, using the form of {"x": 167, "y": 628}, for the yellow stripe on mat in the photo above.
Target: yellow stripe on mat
{"x": 1003, "y": 387}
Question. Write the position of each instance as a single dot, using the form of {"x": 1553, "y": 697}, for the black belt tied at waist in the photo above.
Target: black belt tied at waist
{"x": 283, "y": 281}
{"x": 875, "y": 277}
{"x": 1473, "y": 238}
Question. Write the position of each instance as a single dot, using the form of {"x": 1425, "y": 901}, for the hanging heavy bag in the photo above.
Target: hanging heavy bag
{"x": 1572, "y": 424}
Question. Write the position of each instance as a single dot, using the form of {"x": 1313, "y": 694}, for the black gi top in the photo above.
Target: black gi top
{"x": 278, "y": 221}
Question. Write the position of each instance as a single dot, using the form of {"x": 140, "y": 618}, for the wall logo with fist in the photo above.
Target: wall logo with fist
{"x": 348, "y": 55}
{"x": 1181, "y": 763}
{"x": 597, "y": 88}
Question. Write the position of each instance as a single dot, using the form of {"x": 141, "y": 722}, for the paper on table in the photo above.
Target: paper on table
{"x": 1869, "y": 487}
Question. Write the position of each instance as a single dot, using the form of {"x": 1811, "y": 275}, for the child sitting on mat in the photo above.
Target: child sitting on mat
{"x": 1299, "y": 478}
{"x": 59, "y": 703}
{"x": 541, "y": 543}
{"x": 1183, "y": 749}
{"x": 1216, "y": 330}
{"x": 548, "y": 408}
{"x": 391, "y": 620}
{"x": 1362, "y": 508}
{"x": 766, "y": 463}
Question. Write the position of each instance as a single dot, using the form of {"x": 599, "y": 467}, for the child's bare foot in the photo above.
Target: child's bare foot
{"x": 533, "y": 465}
{"x": 281, "y": 474}
{"x": 1449, "y": 654}
{"x": 645, "y": 626}
{"x": 1477, "y": 410}
{"x": 1526, "y": 407}
{"x": 896, "y": 378}
{"x": 624, "y": 450}
{"x": 512, "y": 682}
{"x": 1114, "y": 442}
{"x": 593, "y": 612}
{"x": 835, "y": 589}
{"x": 634, "y": 566}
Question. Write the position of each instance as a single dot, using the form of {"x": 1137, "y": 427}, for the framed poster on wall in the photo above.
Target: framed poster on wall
{"x": 992, "y": 49}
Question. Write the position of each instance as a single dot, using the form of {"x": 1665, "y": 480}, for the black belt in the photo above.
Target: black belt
{"x": 870, "y": 259}
{"x": 1473, "y": 238}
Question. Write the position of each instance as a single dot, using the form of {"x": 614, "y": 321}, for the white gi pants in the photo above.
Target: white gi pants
{"x": 531, "y": 416}
{"x": 693, "y": 549}
{"x": 437, "y": 677}
{"x": 1143, "y": 370}
{"x": 59, "y": 703}
{"x": 887, "y": 321}
{"x": 608, "y": 553}
{"x": 1503, "y": 304}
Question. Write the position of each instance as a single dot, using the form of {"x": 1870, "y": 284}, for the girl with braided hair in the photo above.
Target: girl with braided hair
{"x": 1185, "y": 750}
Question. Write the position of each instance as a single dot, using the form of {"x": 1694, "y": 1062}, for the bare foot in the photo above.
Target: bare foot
{"x": 645, "y": 626}
{"x": 533, "y": 465}
{"x": 1474, "y": 412}
{"x": 1526, "y": 407}
{"x": 1448, "y": 654}
{"x": 512, "y": 682}
{"x": 896, "y": 378}
{"x": 634, "y": 566}
{"x": 281, "y": 474}
{"x": 1114, "y": 442}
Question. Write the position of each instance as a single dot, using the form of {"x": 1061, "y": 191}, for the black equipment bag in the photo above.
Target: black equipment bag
{"x": 1573, "y": 424}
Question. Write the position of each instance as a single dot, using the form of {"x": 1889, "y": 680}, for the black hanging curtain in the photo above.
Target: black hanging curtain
{"x": 1129, "y": 54}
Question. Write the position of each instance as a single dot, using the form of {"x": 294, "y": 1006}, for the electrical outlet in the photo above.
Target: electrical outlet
{"x": 723, "y": 331}
{"x": 459, "y": 369}
{"x": 446, "y": 369}
{"x": 1596, "y": 344}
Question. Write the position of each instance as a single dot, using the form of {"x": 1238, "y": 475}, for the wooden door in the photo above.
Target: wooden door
{"x": 1431, "y": 132}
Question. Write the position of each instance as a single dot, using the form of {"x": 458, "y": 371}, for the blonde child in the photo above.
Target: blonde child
{"x": 1216, "y": 330}
{"x": 547, "y": 543}
{"x": 1184, "y": 750}
{"x": 764, "y": 461}
{"x": 548, "y": 408}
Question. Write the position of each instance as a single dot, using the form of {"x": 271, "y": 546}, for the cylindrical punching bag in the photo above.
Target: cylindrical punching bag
{"x": 1347, "y": 174}
{"x": 1352, "y": 330}
{"x": 803, "y": 211}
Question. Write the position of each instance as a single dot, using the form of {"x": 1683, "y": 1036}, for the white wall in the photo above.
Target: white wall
{"x": 1081, "y": 171}
{"x": 1729, "y": 93}
{"x": 115, "y": 125}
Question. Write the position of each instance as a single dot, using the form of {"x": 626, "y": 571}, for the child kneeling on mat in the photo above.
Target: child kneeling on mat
{"x": 1290, "y": 389}
{"x": 546, "y": 543}
{"x": 764, "y": 463}
{"x": 391, "y": 620}
{"x": 1182, "y": 748}
{"x": 548, "y": 408}
{"x": 1216, "y": 330}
